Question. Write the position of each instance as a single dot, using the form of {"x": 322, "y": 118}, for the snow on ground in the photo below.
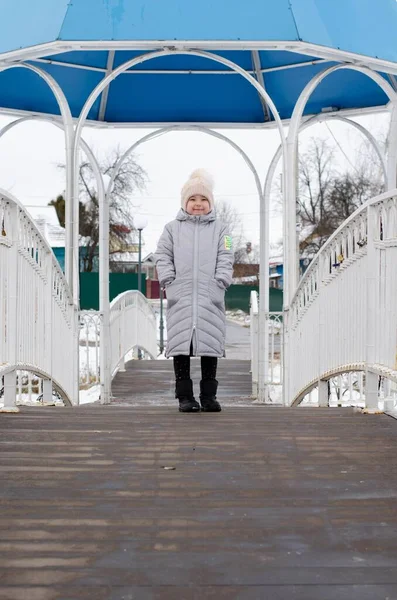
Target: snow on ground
{"x": 238, "y": 316}
{"x": 90, "y": 395}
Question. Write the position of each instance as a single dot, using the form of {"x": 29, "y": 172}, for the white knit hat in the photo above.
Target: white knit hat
{"x": 199, "y": 182}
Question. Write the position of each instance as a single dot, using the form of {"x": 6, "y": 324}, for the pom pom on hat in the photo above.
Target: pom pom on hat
{"x": 199, "y": 182}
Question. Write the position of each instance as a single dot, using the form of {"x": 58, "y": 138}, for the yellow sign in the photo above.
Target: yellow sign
{"x": 228, "y": 242}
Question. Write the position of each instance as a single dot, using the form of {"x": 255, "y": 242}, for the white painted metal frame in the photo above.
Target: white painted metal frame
{"x": 301, "y": 47}
{"x": 67, "y": 123}
{"x": 354, "y": 269}
{"x": 290, "y": 190}
{"x": 104, "y": 216}
{"x": 274, "y": 359}
{"x": 264, "y": 240}
{"x": 102, "y": 207}
{"x": 267, "y": 194}
{"x": 289, "y": 146}
{"x": 291, "y": 162}
{"x": 38, "y": 319}
{"x": 264, "y": 235}
{"x": 212, "y": 125}
{"x": 132, "y": 325}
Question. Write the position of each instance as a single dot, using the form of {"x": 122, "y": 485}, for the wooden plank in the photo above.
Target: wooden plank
{"x": 146, "y": 383}
{"x": 262, "y": 503}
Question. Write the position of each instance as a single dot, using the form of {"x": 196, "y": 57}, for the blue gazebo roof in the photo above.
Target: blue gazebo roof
{"x": 284, "y": 41}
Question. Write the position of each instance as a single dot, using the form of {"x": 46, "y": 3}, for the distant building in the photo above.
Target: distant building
{"x": 127, "y": 262}
{"x": 276, "y": 271}
{"x": 248, "y": 274}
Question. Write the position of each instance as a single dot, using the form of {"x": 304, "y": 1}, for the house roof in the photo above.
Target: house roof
{"x": 47, "y": 221}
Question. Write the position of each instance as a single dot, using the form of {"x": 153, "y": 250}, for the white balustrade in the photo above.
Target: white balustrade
{"x": 38, "y": 322}
{"x": 132, "y": 325}
{"x": 274, "y": 365}
{"x": 343, "y": 316}
{"x": 254, "y": 333}
{"x": 89, "y": 344}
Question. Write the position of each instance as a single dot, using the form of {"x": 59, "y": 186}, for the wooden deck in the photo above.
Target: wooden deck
{"x": 147, "y": 383}
{"x": 122, "y": 503}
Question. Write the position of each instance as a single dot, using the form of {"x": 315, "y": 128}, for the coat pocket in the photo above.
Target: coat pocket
{"x": 172, "y": 292}
{"x": 217, "y": 293}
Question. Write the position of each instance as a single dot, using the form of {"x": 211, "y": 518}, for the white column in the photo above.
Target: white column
{"x": 392, "y": 151}
{"x": 372, "y": 276}
{"x": 69, "y": 213}
{"x": 13, "y": 325}
{"x": 322, "y": 393}
{"x": 47, "y": 390}
{"x": 104, "y": 306}
{"x": 47, "y": 383}
{"x": 371, "y": 391}
{"x": 263, "y": 362}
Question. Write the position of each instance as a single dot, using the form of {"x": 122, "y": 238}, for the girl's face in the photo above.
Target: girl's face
{"x": 198, "y": 205}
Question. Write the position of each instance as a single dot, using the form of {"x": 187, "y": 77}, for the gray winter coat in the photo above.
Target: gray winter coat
{"x": 194, "y": 260}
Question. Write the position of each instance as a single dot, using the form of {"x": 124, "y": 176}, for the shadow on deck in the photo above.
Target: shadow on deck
{"x": 266, "y": 503}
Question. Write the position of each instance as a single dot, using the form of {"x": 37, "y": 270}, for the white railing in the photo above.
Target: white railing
{"x": 274, "y": 365}
{"x": 343, "y": 316}
{"x": 38, "y": 322}
{"x": 89, "y": 346}
{"x": 132, "y": 326}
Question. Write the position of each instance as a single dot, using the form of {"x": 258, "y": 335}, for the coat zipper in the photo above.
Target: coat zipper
{"x": 195, "y": 299}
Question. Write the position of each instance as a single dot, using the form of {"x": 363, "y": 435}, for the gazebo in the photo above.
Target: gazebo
{"x": 200, "y": 66}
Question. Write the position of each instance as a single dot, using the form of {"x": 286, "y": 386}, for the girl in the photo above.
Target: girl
{"x": 194, "y": 260}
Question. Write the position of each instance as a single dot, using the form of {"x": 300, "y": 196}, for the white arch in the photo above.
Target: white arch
{"x": 319, "y": 119}
{"x": 198, "y": 128}
{"x": 264, "y": 241}
{"x": 275, "y": 160}
{"x": 67, "y": 120}
{"x": 290, "y": 265}
{"x": 100, "y": 186}
{"x": 104, "y": 241}
{"x": 290, "y": 162}
{"x": 85, "y": 147}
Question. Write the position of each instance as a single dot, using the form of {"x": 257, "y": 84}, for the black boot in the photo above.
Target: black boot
{"x": 184, "y": 393}
{"x": 208, "y": 401}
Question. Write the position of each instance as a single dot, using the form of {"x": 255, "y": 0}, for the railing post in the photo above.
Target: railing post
{"x": 76, "y": 362}
{"x": 12, "y": 329}
{"x": 161, "y": 348}
{"x": 254, "y": 326}
{"x": 371, "y": 391}
{"x": 286, "y": 398}
{"x": 47, "y": 390}
{"x": 49, "y": 323}
{"x": 372, "y": 289}
{"x": 10, "y": 391}
{"x": 122, "y": 338}
{"x": 323, "y": 399}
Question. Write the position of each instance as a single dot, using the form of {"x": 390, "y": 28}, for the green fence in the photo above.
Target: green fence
{"x": 118, "y": 283}
{"x": 238, "y": 297}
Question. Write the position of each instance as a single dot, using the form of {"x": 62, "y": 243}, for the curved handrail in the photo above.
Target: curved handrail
{"x": 125, "y": 333}
{"x": 331, "y": 239}
{"x": 27, "y": 246}
{"x": 11, "y": 198}
{"x": 118, "y": 299}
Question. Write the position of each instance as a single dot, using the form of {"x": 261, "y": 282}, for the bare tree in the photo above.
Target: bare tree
{"x": 315, "y": 177}
{"x": 328, "y": 195}
{"x": 232, "y": 218}
{"x": 129, "y": 177}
